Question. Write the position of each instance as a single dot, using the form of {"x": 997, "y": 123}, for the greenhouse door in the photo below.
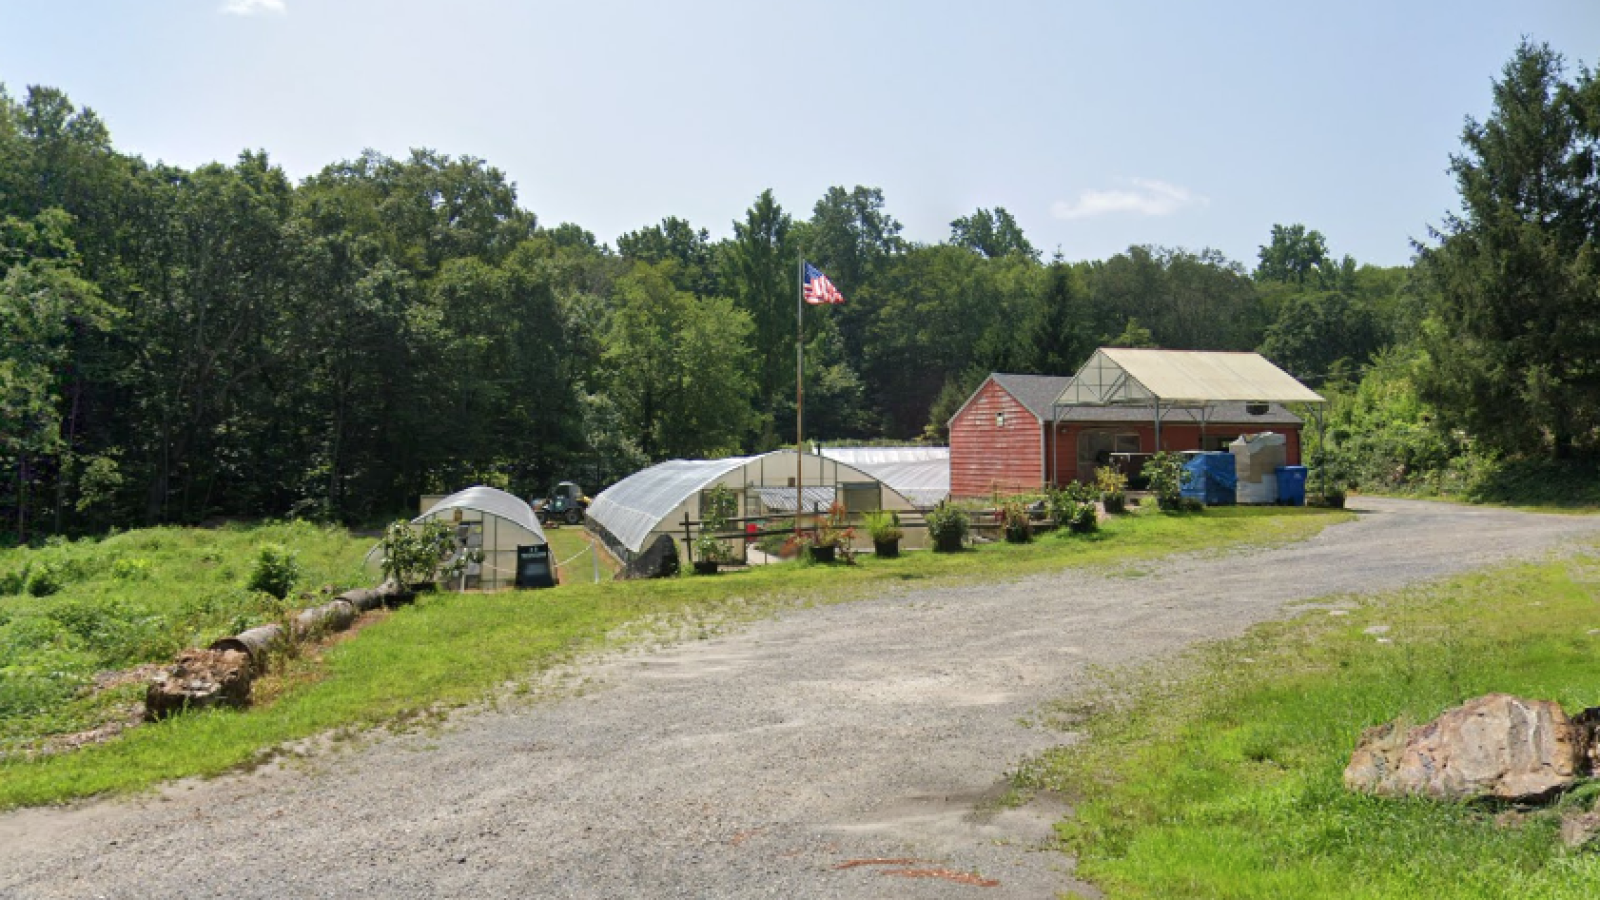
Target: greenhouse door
{"x": 861, "y": 496}
{"x": 1095, "y": 449}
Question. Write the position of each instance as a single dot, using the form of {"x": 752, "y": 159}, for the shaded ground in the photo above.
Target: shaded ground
{"x": 851, "y": 751}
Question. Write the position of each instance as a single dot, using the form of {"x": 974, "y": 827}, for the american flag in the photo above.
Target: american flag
{"x": 818, "y": 290}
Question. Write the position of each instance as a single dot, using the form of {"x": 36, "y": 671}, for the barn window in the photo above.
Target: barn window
{"x": 1000, "y": 419}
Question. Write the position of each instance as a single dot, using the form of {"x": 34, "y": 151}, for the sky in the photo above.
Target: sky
{"x": 1097, "y": 125}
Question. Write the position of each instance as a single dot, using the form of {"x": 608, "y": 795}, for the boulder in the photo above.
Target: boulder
{"x": 659, "y": 560}
{"x": 1497, "y": 746}
{"x": 198, "y": 680}
{"x": 1579, "y": 830}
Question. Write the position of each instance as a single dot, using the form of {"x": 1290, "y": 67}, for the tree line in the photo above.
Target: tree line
{"x": 178, "y": 344}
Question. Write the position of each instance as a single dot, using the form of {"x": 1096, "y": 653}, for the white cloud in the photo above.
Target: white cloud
{"x": 253, "y": 7}
{"x": 1148, "y": 198}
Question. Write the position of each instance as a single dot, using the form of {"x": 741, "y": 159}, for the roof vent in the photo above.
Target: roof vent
{"x": 1256, "y": 409}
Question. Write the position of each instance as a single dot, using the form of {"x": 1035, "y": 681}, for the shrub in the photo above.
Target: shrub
{"x": 1085, "y": 519}
{"x": 884, "y": 526}
{"x": 412, "y": 555}
{"x": 276, "y": 571}
{"x": 1165, "y": 471}
{"x": 947, "y": 525}
{"x": 1014, "y": 520}
{"x": 1113, "y": 486}
{"x": 14, "y": 581}
{"x": 46, "y": 580}
{"x": 717, "y": 507}
{"x": 131, "y": 568}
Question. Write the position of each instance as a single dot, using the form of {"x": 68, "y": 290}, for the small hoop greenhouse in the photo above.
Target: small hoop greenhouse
{"x": 504, "y": 528}
{"x": 629, "y": 515}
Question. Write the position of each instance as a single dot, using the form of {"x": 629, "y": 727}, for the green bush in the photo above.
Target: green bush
{"x": 1165, "y": 471}
{"x": 275, "y": 572}
{"x": 45, "y": 580}
{"x": 947, "y": 526}
{"x": 884, "y": 526}
{"x": 131, "y": 568}
{"x": 1014, "y": 520}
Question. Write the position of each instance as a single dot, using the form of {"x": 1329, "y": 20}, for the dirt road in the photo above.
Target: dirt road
{"x": 759, "y": 764}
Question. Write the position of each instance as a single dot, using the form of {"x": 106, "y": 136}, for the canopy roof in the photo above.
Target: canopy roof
{"x": 920, "y": 474}
{"x": 1123, "y": 376}
{"x": 631, "y": 508}
{"x": 491, "y": 502}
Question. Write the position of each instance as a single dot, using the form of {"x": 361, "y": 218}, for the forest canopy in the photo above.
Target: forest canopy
{"x": 179, "y": 344}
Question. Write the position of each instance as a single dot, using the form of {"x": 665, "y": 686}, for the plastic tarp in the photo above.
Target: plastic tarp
{"x": 920, "y": 474}
{"x": 1258, "y": 457}
{"x": 1117, "y": 375}
{"x": 489, "y": 501}
{"x": 1211, "y": 478}
{"x": 631, "y": 508}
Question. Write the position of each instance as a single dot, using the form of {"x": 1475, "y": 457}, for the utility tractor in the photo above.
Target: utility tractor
{"x": 566, "y": 504}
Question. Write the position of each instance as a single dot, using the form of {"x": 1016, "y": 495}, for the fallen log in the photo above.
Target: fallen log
{"x": 336, "y": 615}
{"x": 258, "y": 643}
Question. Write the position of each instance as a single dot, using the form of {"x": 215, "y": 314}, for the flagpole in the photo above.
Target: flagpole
{"x": 799, "y": 388}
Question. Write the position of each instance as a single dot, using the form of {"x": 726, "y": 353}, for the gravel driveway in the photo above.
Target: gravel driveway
{"x": 759, "y": 764}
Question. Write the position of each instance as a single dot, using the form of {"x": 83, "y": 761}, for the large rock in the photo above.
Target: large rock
{"x": 1498, "y": 746}
{"x": 659, "y": 560}
{"x": 199, "y": 679}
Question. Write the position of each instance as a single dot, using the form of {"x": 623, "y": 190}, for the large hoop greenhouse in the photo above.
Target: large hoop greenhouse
{"x": 629, "y": 515}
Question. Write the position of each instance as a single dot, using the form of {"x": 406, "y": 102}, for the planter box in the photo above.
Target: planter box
{"x": 886, "y": 549}
{"x": 822, "y": 553}
{"x": 705, "y": 567}
{"x": 947, "y": 543}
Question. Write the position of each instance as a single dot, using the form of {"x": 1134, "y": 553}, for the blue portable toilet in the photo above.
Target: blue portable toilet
{"x": 1210, "y": 478}
{"x": 1291, "y": 485}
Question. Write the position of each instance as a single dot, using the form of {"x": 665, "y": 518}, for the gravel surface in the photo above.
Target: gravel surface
{"x": 758, "y": 764}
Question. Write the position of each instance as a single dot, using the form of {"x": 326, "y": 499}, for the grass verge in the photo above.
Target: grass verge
{"x": 1221, "y": 777}
{"x": 448, "y": 650}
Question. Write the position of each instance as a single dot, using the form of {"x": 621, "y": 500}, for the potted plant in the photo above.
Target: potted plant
{"x": 708, "y": 553}
{"x": 717, "y": 507}
{"x": 832, "y": 540}
{"x": 947, "y": 525}
{"x": 1015, "y": 521}
{"x": 1113, "y": 487}
{"x": 884, "y": 526}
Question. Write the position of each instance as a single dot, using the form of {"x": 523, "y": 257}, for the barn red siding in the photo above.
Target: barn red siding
{"x": 986, "y": 458}
{"x": 1174, "y": 436}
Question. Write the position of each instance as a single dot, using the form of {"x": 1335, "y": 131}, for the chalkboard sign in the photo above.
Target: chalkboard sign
{"x": 533, "y": 567}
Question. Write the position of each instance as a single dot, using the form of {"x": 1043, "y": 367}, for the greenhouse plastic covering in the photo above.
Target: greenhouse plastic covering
{"x": 920, "y": 474}
{"x": 489, "y": 501}
{"x": 631, "y": 508}
{"x": 781, "y": 499}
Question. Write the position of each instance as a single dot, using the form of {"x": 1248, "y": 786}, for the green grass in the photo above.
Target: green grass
{"x": 448, "y": 650}
{"x": 1221, "y": 776}
{"x": 135, "y": 598}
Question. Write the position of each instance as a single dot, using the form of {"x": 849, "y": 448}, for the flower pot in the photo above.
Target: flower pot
{"x": 886, "y": 549}
{"x": 822, "y": 553}
{"x": 705, "y": 567}
{"x": 947, "y": 543}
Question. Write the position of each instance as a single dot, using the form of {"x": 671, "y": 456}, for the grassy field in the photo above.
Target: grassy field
{"x": 448, "y": 649}
{"x": 1221, "y": 776}
{"x": 74, "y": 609}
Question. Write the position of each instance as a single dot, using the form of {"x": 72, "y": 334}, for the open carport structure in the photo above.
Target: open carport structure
{"x": 631, "y": 514}
{"x": 1192, "y": 381}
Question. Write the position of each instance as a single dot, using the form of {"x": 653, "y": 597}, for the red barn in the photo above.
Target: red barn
{"x": 1013, "y": 436}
